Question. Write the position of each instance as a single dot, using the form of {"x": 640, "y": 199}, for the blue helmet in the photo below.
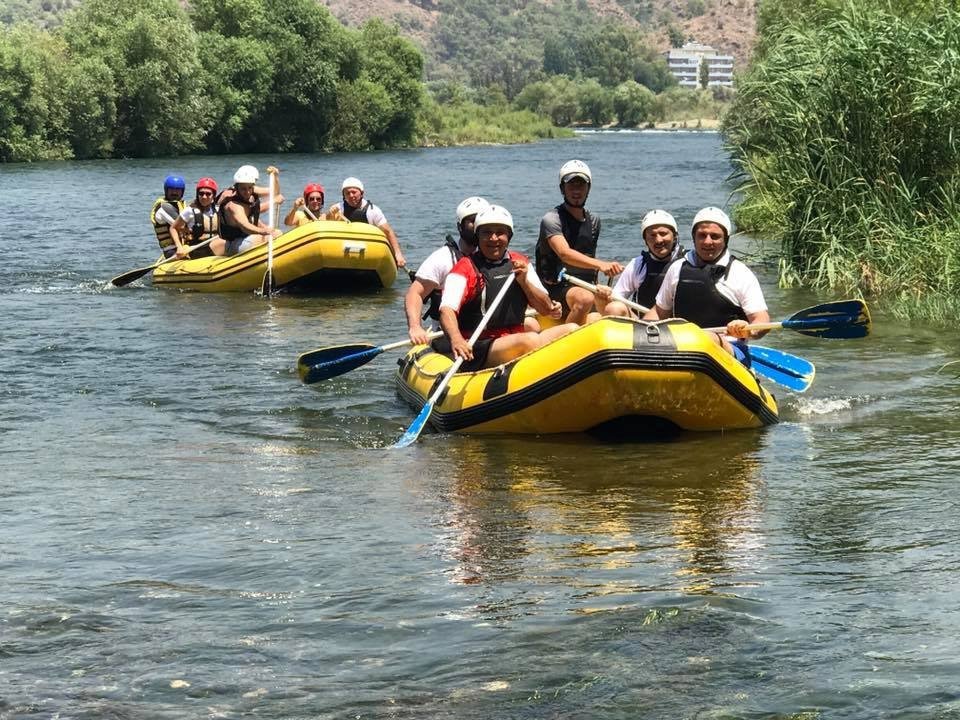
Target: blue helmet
{"x": 174, "y": 182}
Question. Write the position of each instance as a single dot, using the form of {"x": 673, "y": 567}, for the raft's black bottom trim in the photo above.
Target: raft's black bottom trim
{"x": 333, "y": 280}
{"x": 598, "y": 362}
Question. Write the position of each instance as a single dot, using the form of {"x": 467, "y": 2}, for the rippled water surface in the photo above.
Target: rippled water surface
{"x": 187, "y": 531}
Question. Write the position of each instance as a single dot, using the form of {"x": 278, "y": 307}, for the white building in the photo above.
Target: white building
{"x": 684, "y": 64}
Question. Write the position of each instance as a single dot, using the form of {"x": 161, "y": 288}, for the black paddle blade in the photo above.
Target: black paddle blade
{"x": 843, "y": 320}
{"x": 325, "y": 363}
{"x": 129, "y": 277}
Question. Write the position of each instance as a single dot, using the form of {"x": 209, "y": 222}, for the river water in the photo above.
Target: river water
{"x": 187, "y": 531}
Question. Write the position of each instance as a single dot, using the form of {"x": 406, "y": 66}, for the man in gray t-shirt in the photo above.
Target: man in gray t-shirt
{"x": 568, "y": 241}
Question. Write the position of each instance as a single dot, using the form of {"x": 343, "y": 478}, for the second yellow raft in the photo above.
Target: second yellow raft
{"x": 319, "y": 256}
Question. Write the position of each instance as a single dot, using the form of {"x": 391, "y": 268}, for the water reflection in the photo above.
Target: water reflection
{"x": 677, "y": 518}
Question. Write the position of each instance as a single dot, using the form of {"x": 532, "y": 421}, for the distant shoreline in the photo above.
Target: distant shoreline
{"x": 688, "y": 125}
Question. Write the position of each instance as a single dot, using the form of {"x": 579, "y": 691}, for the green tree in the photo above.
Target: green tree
{"x": 394, "y": 63}
{"x": 90, "y": 98}
{"x": 364, "y": 112}
{"x": 675, "y": 36}
{"x": 696, "y": 8}
{"x": 556, "y": 97}
{"x": 33, "y": 116}
{"x": 632, "y": 102}
{"x": 703, "y": 74}
{"x": 558, "y": 57}
{"x": 596, "y": 102}
{"x": 279, "y": 76}
{"x": 244, "y": 77}
{"x": 151, "y": 52}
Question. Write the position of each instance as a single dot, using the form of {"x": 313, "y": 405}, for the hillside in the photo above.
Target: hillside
{"x": 728, "y": 25}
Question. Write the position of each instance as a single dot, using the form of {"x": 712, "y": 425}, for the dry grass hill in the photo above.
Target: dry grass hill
{"x": 728, "y": 25}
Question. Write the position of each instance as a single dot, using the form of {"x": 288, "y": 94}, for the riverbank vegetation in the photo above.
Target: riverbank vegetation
{"x": 105, "y": 78}
{"x": 130, "y": 80}
{"x": 844, "y": 135}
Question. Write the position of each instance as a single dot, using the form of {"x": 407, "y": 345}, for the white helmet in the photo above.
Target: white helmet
{"x": 713, "y": 215}
{"x": 246, "y": 175}
{"x": 658, "y": 217}
{"x": 493, "y": 215}
{"x": 575, "y": 168}
{"x": 470, "y": 206}
{"x": 351, "y": 182}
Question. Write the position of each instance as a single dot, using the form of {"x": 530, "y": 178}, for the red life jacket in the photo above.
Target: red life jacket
{"x": 485, "y": 278}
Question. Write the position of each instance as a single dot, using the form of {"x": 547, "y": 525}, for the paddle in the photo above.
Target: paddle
{"x": 793, "y": 372}
{"x": 413, "y": 432}
{"x": 266, "y": 287}
{"x": 325, "y": 363}
{"x": 840, "y": 320}
{"x": 328, "y": 362}
{"x": 129, "y": 277}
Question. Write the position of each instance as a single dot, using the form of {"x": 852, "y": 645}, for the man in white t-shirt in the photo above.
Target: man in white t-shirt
{"x": 356, "y": 208}
{"x": 641, "y": 281}
{"x": 429, "y": 278}
{"x": 712, "y": 288}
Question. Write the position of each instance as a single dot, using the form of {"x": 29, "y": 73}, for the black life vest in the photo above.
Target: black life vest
{"x": 492, "y": 275}
{"x": 252, "y": 212}
{"x": 698, "y": 300}
{"x": 646, "y": 293}
{"x": 356, "y": 214}
{"x": 581, "y": 236}
{"x": 173, "y": 208}
{"x": 433, "y": 309}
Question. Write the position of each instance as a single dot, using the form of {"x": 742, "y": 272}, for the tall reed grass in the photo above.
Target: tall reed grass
{"x": 843, "y": 134}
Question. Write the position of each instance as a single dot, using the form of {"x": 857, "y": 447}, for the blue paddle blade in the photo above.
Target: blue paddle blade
{"x": 792, "y": 372}
{"x": 323, "y": 364}
{"x": 843, "y": 320}
{"x": 416, "y": 427}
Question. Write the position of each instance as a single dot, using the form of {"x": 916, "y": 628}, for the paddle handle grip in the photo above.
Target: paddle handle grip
{"x": 593, "y": 288}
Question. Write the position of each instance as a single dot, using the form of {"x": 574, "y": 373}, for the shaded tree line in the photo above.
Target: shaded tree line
{"x": 121, "y": 79}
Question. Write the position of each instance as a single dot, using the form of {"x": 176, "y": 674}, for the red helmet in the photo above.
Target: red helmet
{"x": 313, "y": 188}
{"x": 208, "y": 183}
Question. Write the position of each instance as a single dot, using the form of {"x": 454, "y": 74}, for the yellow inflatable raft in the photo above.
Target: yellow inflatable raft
{"x": 615, "y": 372}
{"x": 319, "y": 256}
